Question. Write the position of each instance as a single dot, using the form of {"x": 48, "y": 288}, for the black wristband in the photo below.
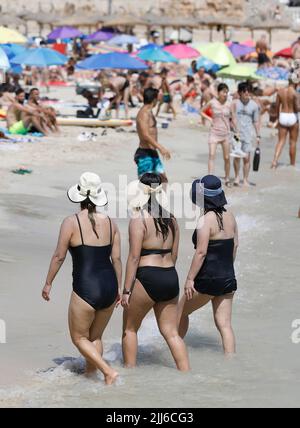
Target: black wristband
{"x": 127, "y": 292}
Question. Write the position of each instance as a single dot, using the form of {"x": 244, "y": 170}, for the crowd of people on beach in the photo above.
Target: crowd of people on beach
{"x": 151, "y": 279}
{"x": 236, "y": 117}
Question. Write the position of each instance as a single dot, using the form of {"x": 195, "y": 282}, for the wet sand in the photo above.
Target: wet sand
{"x": 39, "y": 365}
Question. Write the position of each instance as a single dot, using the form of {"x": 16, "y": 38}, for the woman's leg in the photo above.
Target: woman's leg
{"x": 171, "y": 105}
{"x": 293, "y": 143}
{"x": 236, "y": 164}
{"x": 140, "y": 305}
{"x": 126, "y": 96}
{"x": 222, "y": 307}
{"x": 166, "y": 316}
{"x": 212, "y": 147}
{"x": 81, "y": 318}
{"x": 226, "y": 157}
{"x": 160, "y": 103}
{"x": 187, "y": 307}
{"x": 100, "y": 322}
{"x": 282, "y": 134}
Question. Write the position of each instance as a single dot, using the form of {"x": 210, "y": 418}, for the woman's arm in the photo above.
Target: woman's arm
{"x": 205, "y": 107}
{"x": 59, "y": 255}
{"x": 236, "y": 240}
{"x": 175, "y": 242}
{"x": 136, "y": 237}
{"x": 116, "y": 257}
{"x": 203, "y": 235}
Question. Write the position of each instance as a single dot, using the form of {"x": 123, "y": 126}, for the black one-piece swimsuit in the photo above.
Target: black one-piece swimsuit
{"x": 94, "y": 278}
{"x": 216, "y": 276}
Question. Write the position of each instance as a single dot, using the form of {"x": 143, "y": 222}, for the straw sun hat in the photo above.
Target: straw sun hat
{"x": 138, "y": 195}
{"x": 89, "y": 187}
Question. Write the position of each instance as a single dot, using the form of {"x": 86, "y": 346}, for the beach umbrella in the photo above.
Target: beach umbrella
{"x": 99, "y": 36}
{"x": 150, "y": 45}
{"x": 239, "y": 50}
{"x": 156, "y": 55}
{"x": 11, "y": 49}
{"x": 4, "y": 62}
{"x": 217, "y": 52}
{"x": 285, "y": 53}
{"x": 113, "y": 60}
{"x": 41, "y": 57}
{"x": 123, "y": 39}
{"x": 274, "y": 73}
{"x": 249, "y": 42}
{"x": 16, "y": 69}
{"x": 207, "y": 64}
{"x": 11, "y": 36}
{"x": 65, "y": 32}
{"x": 182, "y": 51}
{"x": 239, "y": 72}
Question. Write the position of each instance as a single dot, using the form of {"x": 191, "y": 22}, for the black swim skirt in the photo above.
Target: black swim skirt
{"x": 215, "y": 286}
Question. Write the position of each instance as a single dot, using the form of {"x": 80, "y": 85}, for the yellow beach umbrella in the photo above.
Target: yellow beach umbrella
{"x": 8, "y": 35}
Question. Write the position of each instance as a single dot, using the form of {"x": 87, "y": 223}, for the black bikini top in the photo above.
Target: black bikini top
{"x": 148, "y": 252}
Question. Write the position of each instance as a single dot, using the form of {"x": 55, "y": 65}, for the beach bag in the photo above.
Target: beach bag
{"x": 256, "y": 159}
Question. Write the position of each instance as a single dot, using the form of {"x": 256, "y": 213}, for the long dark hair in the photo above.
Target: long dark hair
{"x": 88, "y": 205}
{"x": 163, "y": 220}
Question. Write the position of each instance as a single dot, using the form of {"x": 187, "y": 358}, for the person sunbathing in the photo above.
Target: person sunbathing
{"x": 48, "y": 114}
{"x": 22, "y": 118}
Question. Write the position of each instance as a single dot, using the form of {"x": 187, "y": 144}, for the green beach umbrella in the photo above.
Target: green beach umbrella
{"x": 239, "y": 72}
{"x": 217, "y": 52}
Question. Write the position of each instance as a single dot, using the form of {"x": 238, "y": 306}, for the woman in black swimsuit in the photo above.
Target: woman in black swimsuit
{"x": 151, "y": 278}
{"x": 211, "y": 276}
{"x": 94, "y": 243}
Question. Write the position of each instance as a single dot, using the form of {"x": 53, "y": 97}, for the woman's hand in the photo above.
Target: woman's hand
{"x": 125, "y": 300}
{"x": 189, "y": 289}
{"x": 46, "y": 292}
{"x": 119, "y": 299}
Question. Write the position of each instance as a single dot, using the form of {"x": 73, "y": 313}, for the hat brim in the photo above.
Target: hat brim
{"x": 74, "y": 196}
{"x": 137, "y": 199}
{"x": 208, "y": 201}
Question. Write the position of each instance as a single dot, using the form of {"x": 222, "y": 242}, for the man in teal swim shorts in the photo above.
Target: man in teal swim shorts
{"x": 17, "y": 123}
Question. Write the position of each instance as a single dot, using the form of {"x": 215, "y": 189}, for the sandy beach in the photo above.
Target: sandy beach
{"x": 39, "y": 365}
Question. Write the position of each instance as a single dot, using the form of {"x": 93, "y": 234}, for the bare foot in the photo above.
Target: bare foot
{"x": 111, "y": 379}
{"x": 91, "y": 374}
{"x": 236, "y": 182}
{"x": 274, "y": 165}
{"x": 246, "y": 183}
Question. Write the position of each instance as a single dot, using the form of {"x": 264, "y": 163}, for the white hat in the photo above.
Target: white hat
{"x": 89, "y": 186}
{"x": 138, "y": 194}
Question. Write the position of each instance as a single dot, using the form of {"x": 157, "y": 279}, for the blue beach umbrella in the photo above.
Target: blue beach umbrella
{"x": 112, "y": 60}
{"x": 40, "y": 57}
{"x": 207, "y": 64}
{"x": 16, "y": 69}
{"x": 12, "y": 50}
{"x": 123, "y": 39}
{"x": 274, "y": 73}
{"x": 156, "y": 55}
{"x": 4, "y": 62}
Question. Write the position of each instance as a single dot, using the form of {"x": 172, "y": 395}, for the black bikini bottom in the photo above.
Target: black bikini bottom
{"x": 161, "y": 284}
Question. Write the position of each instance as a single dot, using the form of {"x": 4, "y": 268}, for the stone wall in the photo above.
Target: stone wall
{"x": 169, "y": 7}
